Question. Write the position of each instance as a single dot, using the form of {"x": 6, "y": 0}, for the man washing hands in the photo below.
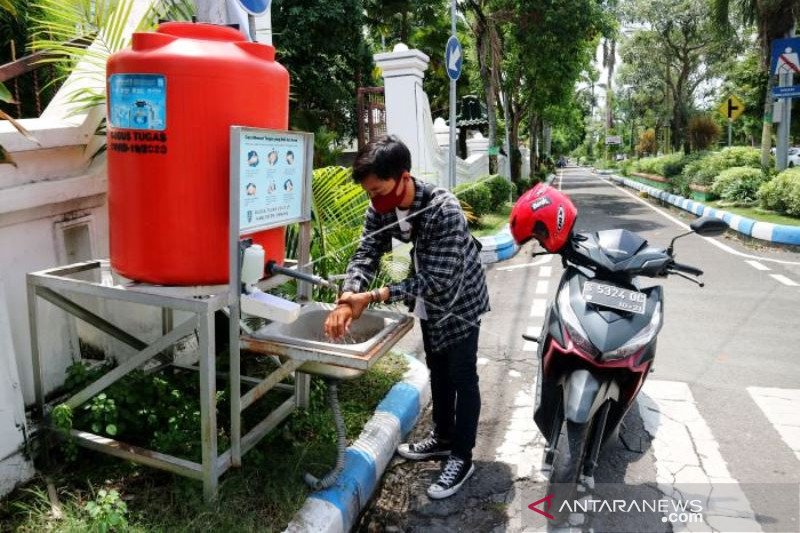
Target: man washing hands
{"x": 446, "y": 290}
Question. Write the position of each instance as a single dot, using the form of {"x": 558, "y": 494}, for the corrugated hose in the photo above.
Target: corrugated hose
{"x": 341, "y": 444}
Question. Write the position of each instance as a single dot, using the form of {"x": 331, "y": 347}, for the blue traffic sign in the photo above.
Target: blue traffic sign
{"x": 453, "y": 58}
{"x": 793, "y": 91}
{"x": 255, "y": 7}
{"x": 785, "y": 56}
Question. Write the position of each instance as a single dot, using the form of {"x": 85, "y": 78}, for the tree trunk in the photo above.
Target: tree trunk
{"x": 513, "y": 139}
{"x": 534, "y": 135}
{"x": 488, "y": 92}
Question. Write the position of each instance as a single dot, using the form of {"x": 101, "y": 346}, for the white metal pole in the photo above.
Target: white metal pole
{"x": 451, "y": 178}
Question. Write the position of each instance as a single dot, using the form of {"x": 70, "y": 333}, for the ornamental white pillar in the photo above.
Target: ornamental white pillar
{"x": 403, "y": 71}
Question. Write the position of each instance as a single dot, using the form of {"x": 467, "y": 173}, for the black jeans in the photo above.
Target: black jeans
{"x": 454, "y": 391}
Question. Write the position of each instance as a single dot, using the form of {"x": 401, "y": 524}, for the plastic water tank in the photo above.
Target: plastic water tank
{"x": 172, "y": 98}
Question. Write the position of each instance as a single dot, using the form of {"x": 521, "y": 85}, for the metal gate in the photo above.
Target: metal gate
{"x": 371, "y": 114}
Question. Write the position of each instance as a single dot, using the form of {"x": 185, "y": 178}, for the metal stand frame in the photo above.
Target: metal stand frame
{"x": 202, "y": 303}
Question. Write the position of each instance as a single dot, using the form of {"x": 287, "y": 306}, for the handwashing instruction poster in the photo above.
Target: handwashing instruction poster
{"x": 271, "y": 178}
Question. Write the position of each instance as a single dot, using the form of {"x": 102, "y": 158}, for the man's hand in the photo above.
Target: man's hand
{"x": 357, "y": 302}
{"x": 338, "y": 321}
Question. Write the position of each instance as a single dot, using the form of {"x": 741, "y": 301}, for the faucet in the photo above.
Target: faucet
{"x": 273, "y": 268}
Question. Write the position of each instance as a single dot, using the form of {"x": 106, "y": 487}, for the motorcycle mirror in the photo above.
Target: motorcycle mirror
{"x": 709, "y": 226}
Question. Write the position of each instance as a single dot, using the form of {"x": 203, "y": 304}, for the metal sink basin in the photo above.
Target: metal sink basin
{"x": 371, "y": 336}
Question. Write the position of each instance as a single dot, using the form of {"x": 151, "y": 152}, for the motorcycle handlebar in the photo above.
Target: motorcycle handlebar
{"x": 686, "y": 268}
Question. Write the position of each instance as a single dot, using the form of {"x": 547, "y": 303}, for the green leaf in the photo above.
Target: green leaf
{"x": 111, "y": 429}
{"x": 5, "y": 95}
{"x": 96, "y": 427}
{"x": 8, "y": 6}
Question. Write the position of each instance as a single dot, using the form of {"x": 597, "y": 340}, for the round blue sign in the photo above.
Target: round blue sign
{"x": 453, "y": 57}
{"x": 255, "y": 7}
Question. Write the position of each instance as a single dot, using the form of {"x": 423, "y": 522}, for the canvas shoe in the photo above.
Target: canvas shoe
{"x": 455, "y": 472}
{"x": 426, "y": 448}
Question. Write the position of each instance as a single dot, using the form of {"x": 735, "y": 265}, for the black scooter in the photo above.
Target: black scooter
{"x": 597, "y": 345}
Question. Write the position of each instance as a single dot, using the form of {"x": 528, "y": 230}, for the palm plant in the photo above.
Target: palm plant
{"x": 338, "y": 208}
{"x": 64, "y": 27}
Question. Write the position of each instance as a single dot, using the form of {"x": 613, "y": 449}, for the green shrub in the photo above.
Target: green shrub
{"x": 666, "y": 166}
{"x": 703, "y": 171}
{"x": 782, "y": 193}
{"x": 476, "y": 195}
{"x": 739, "y": 184}
{"x": 500, "y": 189}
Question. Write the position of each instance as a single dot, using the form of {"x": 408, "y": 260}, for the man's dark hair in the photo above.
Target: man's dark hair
{"x": 386, "y": 157}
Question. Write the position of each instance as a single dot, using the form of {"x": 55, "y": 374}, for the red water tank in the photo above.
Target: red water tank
{"x": 172, "y": 98}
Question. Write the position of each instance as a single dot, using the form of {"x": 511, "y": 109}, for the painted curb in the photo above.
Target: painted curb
{"x": 336, "y": 509}
{"x": 765, "y": 231}
{"x": 498, "y": 247}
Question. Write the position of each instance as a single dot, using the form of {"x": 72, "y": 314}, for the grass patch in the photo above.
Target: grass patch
{"x": 261, "y": 496}
{"x": 758, "y": 213}
{"x": 491, "y": 223}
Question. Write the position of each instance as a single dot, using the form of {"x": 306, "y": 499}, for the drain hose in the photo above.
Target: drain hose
{"x": 341, "y": 444}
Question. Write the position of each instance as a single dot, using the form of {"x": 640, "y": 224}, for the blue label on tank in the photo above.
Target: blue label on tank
{"x": 138, "y": 101}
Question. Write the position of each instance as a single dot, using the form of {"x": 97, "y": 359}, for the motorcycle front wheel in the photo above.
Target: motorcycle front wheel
{"x": 567, "y": 466}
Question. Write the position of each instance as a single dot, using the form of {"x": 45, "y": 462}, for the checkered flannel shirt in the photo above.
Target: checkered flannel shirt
{"x": 449, "y": 276}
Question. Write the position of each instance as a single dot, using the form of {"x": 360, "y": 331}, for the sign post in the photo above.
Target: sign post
{"x": 732, "y": 108}
{"x": 254, "y": 8}
{"x": 785, "y": 63}
{"x": 453, "y": 59}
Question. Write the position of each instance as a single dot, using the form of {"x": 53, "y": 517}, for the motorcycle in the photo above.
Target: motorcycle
{"x": 598, "y": 342}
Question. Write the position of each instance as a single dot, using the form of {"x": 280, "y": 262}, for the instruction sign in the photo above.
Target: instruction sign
{"x": 272, "y": 170}
{"x": 137, "y": 101}
{"x": 785, "y": 56}
{"x": 732, "y": 108}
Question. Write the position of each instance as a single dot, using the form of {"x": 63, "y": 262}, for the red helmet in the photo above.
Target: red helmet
{"x": 546, "y": 214}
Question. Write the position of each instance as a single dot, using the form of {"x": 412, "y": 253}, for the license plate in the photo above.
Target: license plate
{"x": 614, "y": 297}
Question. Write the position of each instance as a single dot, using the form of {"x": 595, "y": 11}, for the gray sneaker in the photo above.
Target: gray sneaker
{"x": 427, "y": 448}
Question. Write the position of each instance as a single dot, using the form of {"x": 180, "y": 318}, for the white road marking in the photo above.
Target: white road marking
{"x": 523, "y": 444}
{"x": 541, "y": 286}
{"x": 531, "y": 346}
{"x": 783, "y": 279}
{"x": 538, "y": 308}
{"x": 560, "y": 177}
{"x": 782, "y": 409}
{"x": 541, "y": 261}
{"x": 686, "y": 452}
{"x": 482, "y": 361}
{"x": 757, "y": 265}
{"x": 721, "y": 246}
{"x": 514, "y": 374}
{"x": 545, "y": 271}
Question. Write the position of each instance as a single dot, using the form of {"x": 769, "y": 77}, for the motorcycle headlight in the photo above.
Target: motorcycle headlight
{"x": 572, "y": 325}
{"x": 640, "y": 340}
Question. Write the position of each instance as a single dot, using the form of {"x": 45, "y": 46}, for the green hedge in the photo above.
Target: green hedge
{"x": 666, "y": 166}
{"x": 739, "y": 184}
{"x": 500, "y": 189}
{"x": 704, "y": 170}
{"x": 782, "y": 193}
{"x": 476, "y": 195}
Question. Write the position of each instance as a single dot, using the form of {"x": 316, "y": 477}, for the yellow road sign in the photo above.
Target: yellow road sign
{"x": 732, "y": 108}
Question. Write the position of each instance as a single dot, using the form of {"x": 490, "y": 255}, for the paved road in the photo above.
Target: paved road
{"x": 722, "y": 408}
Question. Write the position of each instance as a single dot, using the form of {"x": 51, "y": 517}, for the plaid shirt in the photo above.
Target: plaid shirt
{"x": 449, "y": 275}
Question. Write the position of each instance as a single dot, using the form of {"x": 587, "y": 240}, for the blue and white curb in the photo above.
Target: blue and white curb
{"x": 765, "y": 231}
{"x": 498, "y": 247}
{"x": 336, "y": 509}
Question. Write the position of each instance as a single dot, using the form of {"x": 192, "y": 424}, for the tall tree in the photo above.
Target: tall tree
{"x": 324, "y": 50}
{"x": 676, "y": 46}
{"x": 772, "y": 19}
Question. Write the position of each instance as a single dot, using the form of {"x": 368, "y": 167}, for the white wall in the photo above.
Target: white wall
{"x": 52, "y": 212}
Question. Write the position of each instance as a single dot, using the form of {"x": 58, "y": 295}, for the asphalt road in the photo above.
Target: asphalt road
{"x": 721, "y": 412}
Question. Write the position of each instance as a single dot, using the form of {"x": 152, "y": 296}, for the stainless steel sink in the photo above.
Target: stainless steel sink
{"x": 370, "y": 337}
